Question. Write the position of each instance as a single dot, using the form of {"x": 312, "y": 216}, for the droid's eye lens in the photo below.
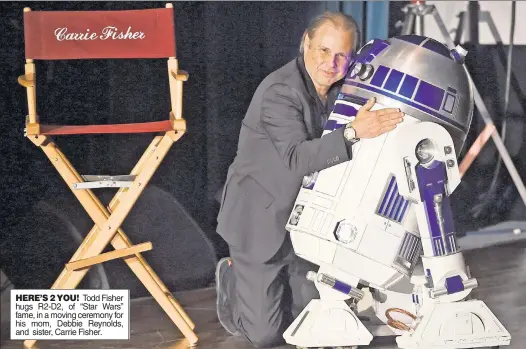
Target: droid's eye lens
{"x": 367, "y": 72}
{"x": 358, "y": 67}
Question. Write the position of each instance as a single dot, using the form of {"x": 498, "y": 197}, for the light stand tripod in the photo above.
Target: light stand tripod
{"x": 414, "y": 14}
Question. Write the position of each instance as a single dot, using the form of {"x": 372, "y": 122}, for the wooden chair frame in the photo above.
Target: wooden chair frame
{"x": 108, "y": 220}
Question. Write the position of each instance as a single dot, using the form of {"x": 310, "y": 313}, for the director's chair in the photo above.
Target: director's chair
{"x": 63, "y": 35}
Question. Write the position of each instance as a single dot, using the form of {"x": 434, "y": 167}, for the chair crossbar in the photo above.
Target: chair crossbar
{"x": 103, "y": 184}
{"x": 108, "y": 256}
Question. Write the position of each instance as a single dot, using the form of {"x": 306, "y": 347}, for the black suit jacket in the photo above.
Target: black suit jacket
{"x": 279, "y": 143}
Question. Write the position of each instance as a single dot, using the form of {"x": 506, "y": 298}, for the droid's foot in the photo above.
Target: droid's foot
{"x": 327, "y": 324}
{"x": 466, "y": 324}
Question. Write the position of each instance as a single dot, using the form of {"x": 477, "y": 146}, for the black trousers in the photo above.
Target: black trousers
{"x": 266, "y": 297}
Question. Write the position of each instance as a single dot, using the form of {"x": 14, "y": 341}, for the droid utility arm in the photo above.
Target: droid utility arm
{"x": 427, "y": 175}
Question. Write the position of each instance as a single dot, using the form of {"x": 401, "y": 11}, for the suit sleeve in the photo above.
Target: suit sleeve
{"x": 282, "y": 118}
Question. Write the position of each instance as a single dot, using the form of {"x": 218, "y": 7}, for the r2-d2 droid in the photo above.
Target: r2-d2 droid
{"x": 380, "y": 226}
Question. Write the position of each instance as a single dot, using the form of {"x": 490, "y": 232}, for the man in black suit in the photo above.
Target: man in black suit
{"x": 262, "y": 286}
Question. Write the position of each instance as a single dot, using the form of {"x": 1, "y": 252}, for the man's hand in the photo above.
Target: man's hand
{"x": 370, "y": 124}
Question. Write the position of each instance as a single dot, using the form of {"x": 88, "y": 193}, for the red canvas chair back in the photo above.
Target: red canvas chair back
{"x": 57, "y": 35}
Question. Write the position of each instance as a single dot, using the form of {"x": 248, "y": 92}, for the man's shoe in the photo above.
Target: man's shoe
{"x": 224, "y": 310}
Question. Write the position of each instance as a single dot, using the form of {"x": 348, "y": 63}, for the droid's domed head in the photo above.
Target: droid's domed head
{"x": 417, "y": 74}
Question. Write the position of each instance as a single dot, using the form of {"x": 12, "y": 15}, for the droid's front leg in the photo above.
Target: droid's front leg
{"x": 446, "y": 319}
{"x": 445, "y": 269}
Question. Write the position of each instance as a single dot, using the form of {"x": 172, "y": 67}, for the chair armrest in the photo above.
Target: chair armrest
{"x": 25, "y": 81}
{"x": 180, "y": 75}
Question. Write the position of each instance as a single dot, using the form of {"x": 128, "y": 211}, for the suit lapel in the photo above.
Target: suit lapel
{"x": 312, "y": 119}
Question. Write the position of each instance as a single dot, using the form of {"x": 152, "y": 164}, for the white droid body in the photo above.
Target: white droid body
{"x": 352, "y": 215}
{"x": 383, "y": 219}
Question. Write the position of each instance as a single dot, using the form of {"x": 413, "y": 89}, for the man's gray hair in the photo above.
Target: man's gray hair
{"x": 339, "y": 20}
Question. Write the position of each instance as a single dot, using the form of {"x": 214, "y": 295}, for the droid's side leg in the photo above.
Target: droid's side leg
{"x": 446, "y": 319}
{"x": 330, "y": 321}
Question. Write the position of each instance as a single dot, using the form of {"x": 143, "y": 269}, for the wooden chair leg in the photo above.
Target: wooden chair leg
{"x": 108, "y": 228}
{"x": 162, "y": 298}
{"x": 70, "y": 280}
{"x": 116, "y": 241}
{"x": 122, "y": 240}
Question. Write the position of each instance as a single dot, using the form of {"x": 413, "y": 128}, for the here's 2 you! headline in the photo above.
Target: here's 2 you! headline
{"x": 70, "y": 314}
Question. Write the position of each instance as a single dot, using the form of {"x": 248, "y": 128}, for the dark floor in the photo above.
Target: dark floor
{"x": 501, "y": 272}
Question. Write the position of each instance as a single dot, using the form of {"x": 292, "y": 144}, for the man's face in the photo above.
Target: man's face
{"x": 327, "y": 55}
